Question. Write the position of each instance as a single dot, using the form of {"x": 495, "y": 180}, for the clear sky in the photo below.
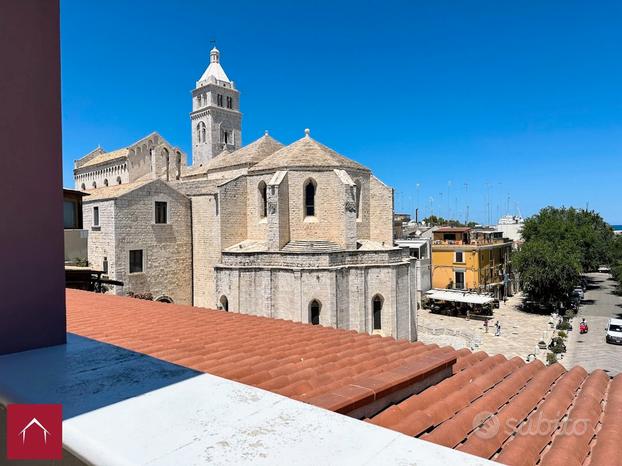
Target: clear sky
{"x": 488, "y": 104}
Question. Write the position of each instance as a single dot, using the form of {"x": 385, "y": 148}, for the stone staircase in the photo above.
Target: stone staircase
{"x": 311, "y": 246}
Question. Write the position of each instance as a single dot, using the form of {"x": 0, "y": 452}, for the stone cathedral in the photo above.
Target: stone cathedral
{"x": 295, "y": 232}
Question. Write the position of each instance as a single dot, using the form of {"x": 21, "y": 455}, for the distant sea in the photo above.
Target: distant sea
{"x": 617, "y": 227}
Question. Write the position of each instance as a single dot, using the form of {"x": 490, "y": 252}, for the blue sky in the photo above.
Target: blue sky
{"x": 481, "y": 103}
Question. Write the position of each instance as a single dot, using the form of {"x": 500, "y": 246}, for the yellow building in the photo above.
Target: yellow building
{"x": 469, "y": 259}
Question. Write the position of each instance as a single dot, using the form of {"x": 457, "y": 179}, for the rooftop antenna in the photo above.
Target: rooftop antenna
{"x": 213, "y": 43}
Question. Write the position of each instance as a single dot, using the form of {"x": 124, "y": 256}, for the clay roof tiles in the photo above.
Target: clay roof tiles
{"x": 509, "y": 411}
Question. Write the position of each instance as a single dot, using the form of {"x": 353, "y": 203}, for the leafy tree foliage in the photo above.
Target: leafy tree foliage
{"x": 547, "y": 273}
{"x": 434, "y": 220}
{"x": 616, "y": 267}
{"x": 579, "y": 231}
{"x": 560, "y": 244}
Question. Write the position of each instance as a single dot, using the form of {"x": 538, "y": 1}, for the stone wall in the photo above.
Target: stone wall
{"x": 314, "y": 260}
{"x": 101, "y": 242}
{"x": 345, "y": 294}
{"x": 328, "y": 222}
{"x": 206, "y": 249}
{"x": 166, "y": 247}
{"x": 226, "y": 173}
{"x": 381, "y": 212}
{"x": 232, "y": 206}
{"x": 362, "y": 181}
{"x": 139, "y": 158}
{"x": 112, "y": 172}
{"x": 150, "y": 155}
{"x": 257, "y": 226}
{"x": 215, "y": 118}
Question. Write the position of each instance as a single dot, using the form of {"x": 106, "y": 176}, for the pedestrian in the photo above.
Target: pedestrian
{"x": 486, "y": 325}
{"x": 468, "y": 314}
{"x": 497, "y": 329}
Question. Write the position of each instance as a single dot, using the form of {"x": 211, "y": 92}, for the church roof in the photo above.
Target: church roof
{"x": 306, "y": 153}
{"x": 214, "y": 69}
{"x": 196, "y": 187}
{"x": 118, "y": 190}
{"x": 250, "y": 154}
{"x": 106, "y": 157}
{"x": 103, "y": 157}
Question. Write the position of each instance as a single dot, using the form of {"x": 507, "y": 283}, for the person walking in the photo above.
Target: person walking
{"x": 497, "y": 329}
{"x": 486, "y": 325}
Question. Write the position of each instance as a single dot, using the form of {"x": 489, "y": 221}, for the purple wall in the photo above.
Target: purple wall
{"x": 32, "y": 298}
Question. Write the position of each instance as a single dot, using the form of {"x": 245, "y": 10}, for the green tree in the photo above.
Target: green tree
{"x": 579, "y": 231}
{"x": 547, "y": 272}
{"x": 559, "y": 245}
{"x": 435, "y": 220}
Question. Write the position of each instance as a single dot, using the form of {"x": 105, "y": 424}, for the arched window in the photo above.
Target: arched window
{"x": 178, "y": 166}
{"x": 201, "y": 132}
{"x": 309, "y": 193}
{"x": 94, "y": 184}
{"x": 224, "y": 303}
{"x": 105, "y": 181}
{"x": 263, "y": 200}
{"x": 83, "y": 187}
{"x": 314, "y": 312}
{"x": 118, "y": 180}
{"x": 358, "y": 199}
{"x": 377, "y": 303}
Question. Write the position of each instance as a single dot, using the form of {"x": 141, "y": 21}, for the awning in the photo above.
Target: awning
{"x": 459, "y": 296}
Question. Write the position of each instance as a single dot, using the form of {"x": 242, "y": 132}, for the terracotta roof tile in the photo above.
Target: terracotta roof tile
{"x": 505, "y": 410}
{"x": 311, "y": 363}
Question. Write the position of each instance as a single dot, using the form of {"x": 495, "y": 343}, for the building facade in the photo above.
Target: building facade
{"x": 149, "y": 158}
{"x": 420, "y": 251}
{"x": 478, "y": 260}
{"x": 140, "y": 234}
{"x": 296, "y": 232}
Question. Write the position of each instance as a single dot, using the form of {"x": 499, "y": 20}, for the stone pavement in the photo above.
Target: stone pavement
{"x": 520, "y": 331}
{"x": 590, "y": 350}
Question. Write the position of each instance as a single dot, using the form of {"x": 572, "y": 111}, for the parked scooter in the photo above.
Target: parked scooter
{"x": 583, "y": 328}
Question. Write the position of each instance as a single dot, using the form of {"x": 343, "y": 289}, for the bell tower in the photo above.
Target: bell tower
{"x": 216, "y": 121}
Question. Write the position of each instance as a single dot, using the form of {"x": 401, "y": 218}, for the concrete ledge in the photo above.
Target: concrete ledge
{"x": 210, "y": 420}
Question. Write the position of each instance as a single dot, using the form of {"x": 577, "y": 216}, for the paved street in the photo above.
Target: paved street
{"x": 590, "y": 350}
{"x": 520, "y": 333}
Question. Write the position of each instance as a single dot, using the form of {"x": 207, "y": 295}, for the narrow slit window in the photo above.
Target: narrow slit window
{"x": 314, "y": 311}
{"x": 95, "y": 216}
{"x": 377, "y": 308}
{"x": 310, "y": 199}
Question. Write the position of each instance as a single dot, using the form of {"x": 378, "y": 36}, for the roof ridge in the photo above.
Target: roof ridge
{"x": 307, "y": 152}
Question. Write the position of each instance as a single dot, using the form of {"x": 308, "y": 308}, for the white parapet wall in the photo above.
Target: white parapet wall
{"x": 211, "y": 420}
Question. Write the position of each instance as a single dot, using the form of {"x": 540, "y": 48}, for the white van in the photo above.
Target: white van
{"x": 614, "y": 331}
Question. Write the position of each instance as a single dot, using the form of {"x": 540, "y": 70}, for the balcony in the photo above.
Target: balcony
{"x": 76, "y": 246}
